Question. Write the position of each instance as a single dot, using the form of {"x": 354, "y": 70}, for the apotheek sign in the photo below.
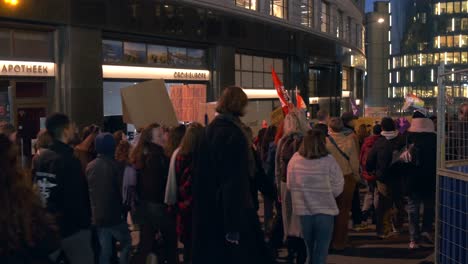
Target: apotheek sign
{"x": 150, "y": 73}
{"x": 27, "y": 68}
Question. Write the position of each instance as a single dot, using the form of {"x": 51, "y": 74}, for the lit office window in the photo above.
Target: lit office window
{"x": 307, "y": 13}
{"x": 279, "y": 8}
{"x": 248, "y": 4}
{"x": 339, "y": 26}
{"x": 325, "y": 17}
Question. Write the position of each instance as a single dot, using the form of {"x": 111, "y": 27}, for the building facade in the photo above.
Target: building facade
{"x": 436, "y": 33}
{"x": 378, "y": 34}
{"x": 75, "y": 56}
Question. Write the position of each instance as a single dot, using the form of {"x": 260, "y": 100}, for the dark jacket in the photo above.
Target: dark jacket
{"x": 105, "y": 191}
{"x": 261, "y": 183}
{"x": 152, "y": 177}
{"x": 379, "y": 160}
{"x": 421, "y": 178}
{"x": 63, "y": 188}
{"x": 222, "y": 200}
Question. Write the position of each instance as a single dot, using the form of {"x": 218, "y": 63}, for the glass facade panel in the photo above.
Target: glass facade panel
{"x": 246, "y": 63}
{"x": 450, "y": 41}
{"x": 456, "y": 57}
{"x": 248, "y": 4}
{"x": 307, "y": 13}
{"x": 279, "y": 8}
{"x": 325, "y": 17}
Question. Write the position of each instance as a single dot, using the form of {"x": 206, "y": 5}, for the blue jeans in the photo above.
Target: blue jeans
{"x": 317, "y": 231}
{"x": 413, "y": 208}
{"x": 120, "y": 233}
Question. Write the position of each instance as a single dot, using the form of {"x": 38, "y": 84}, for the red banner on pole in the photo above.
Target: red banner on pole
{"x": 282, "y": 93}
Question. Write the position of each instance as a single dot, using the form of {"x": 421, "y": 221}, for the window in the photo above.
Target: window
{"x": 5, "y": 42}
{"x": 345, "y": 79}
{"x": 464, "y": 57}
{"x": 279, "y": 8}
{"x": 32, "y": 44}
{"x": 349, "y": 30}
{"x": 464, "y": 24}
{"x": 457, "y": 7}
{"x": 450, "y": 41}
{"x": 456, "y": 57}
{"x": 339, "y": 26}
{"x": 325, "y": 17}
{"x": 346, "y": 29}
{"x": 464, "y": 6}
{"x": 443, "y": 41}
{"x": 307, "y": 13}
{"x": 247, "y": 4}
{"x": 449, "y": 7}
{"x": 254, "y": 72}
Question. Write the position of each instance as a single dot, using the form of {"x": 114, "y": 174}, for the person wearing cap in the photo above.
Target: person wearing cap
{"x": 421, "y": 178}
{"x": 379, "y": 162}
{"x": 103, "y": 175}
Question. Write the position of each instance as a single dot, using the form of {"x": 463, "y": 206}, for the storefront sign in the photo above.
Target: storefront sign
{"x": 26, "y": 68}
{"x": 149, "y": 73}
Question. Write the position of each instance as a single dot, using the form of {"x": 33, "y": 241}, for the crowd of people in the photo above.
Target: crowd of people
{"x": 99, "y": 198}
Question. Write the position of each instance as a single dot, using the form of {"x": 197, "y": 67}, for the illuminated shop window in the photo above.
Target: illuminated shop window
{"x": 325, "y": 17}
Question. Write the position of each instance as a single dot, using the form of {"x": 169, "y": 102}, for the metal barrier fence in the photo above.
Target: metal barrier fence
{"x": 452, "y": 172}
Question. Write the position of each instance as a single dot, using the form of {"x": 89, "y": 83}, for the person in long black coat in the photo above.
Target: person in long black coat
{"x": 226, "y": 228}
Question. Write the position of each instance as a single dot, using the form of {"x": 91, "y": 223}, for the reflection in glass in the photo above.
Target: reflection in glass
{"x": 157, "y": 54}
{"x": 134, "y": 52}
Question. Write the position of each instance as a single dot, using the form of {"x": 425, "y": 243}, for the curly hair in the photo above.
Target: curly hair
{"x": 146, "y": 137}
{"x": 23, "y": 221}
{"x": 122, "y": 152}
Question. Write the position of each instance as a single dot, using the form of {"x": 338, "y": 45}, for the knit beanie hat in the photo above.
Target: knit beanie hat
{"x": 105, "y": 144}
{"x": 388, "y": 124}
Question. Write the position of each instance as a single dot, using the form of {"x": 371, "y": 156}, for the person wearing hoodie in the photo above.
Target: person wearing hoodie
{"x": 379, "y": 162}
{"x": 421, "y": 178}
{"x": 343, "y": 146}
{"x": 104, "y": 175}
{"x": 64, "y": 190}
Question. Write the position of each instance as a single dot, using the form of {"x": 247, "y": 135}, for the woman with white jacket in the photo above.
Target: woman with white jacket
{"x": 315, "y": 179}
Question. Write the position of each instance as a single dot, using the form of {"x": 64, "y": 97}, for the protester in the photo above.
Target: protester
{"x": 421, "y": 178}
{"x": 28, "y": 233}
{"x": 268, "y": 167}
{"x": 184, "y": 170}
{"x": 104, "y": 175}
{"x": 174, "y": 138}
{"x": 85, "y": 151}
{"x": 225, "y": 224}
{"x": 342, "y": 144}
{"x": 119, "y": 136}
{"x": 315, "y": 179}
{"x": 152, "y": 164}
{"x": 362, "y": 134}
{"x": 9, "y": 131}
{"x": 323, "y": 117}
{"x": 379, "y": 162}
{"x": 295, "y": 126}
{"x": 64, "y": 190}
{"x": 42, "y": 144}
{"x": 371, "y": 197}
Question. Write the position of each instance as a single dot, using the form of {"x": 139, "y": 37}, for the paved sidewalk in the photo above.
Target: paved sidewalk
{"x": 368, "y": 249}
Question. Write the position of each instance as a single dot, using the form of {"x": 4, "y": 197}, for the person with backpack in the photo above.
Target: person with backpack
{"x": 104, "y": 176}
{"x": 371, "y": 197}
{"x": 295, "y": 126}
{"x": 421, "y": 178}
{"x": 64, "y": 190}
{"x": 342, "y": 145}
{"x": 381, "y": 161}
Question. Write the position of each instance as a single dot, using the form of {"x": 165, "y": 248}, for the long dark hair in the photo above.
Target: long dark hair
{"x": 23, "y": 221}
{"x": 145, "y": 141}
{"x": 175, "y": 138}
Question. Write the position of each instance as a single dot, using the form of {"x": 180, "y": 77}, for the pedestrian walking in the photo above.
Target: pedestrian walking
{"x": 371, "y": 197}
{"x": 152, "y": 165}
{"x": 342, "y": 144}
{"x": 295, "y": 126}
{"x": 184, "y": 170}
{"x": 105, "y": 189}
{"x": 421, "y": 178}
{"x": 388, "y": 176}
{"x": 315, "y": 179}
{"x": 28, "y": 233}
{"x": 64, "y": 190}
{"x": 225, "y": 224}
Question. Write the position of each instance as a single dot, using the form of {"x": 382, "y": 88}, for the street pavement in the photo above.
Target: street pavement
{"x": 366, "y": 248}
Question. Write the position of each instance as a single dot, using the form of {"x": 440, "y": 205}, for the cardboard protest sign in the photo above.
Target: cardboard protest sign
{"x": 146, "y": 103}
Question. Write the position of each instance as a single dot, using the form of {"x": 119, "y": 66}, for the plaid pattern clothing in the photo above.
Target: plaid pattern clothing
{"x": 184, "y": 172}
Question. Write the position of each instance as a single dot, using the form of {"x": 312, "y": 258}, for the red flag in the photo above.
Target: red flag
{"x": 300, "y": 102}
{"x": 282, "y": 93}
